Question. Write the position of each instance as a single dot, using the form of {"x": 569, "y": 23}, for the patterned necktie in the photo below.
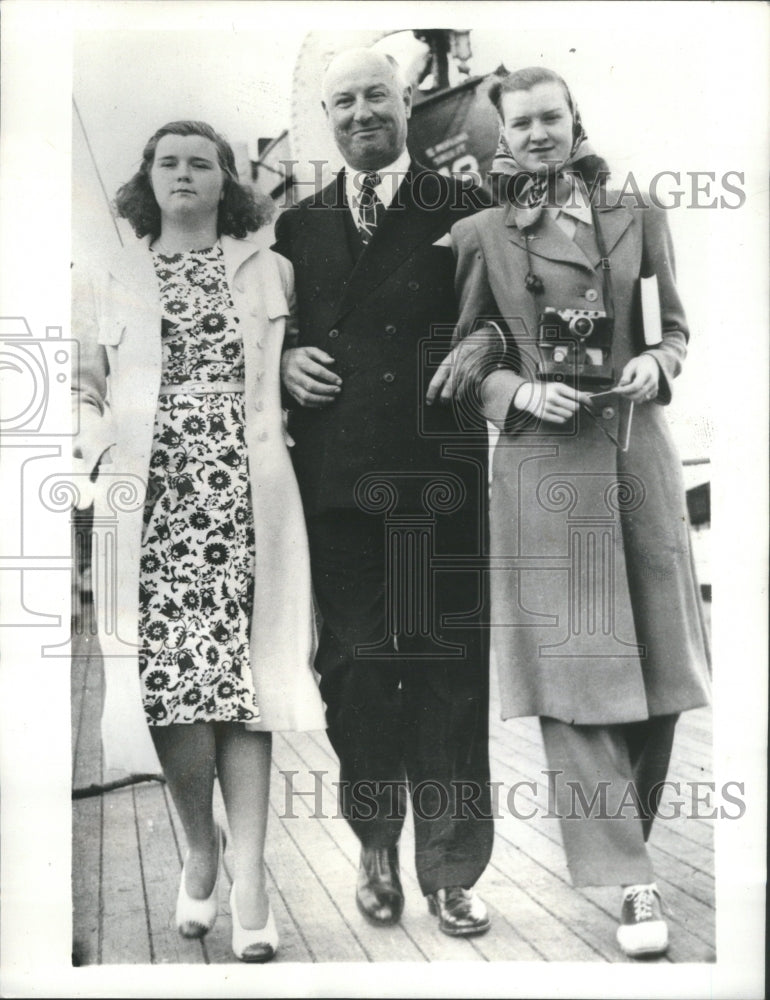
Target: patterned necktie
{"x": 370, "y": 208}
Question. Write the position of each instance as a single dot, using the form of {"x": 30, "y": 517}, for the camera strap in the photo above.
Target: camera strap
{"x": 609, "y": 305}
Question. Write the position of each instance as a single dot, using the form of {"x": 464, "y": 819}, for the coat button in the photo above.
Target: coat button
{"x": 259, "y": 376}
{"x": 239, "y": 286}
{"x": 388, "y": 378}
{"x": 316, "y": 291}
{"x": 259, "y": 344}
{"x": 608, "y": 412}
{"x": 591, "y": 294}
{"x": 259, "y": 406}
{"x": 263, "y": 436}
{"x": 413, "y": 286}
{"x": 390, "y": 329}
{"x": 333, "y": 334}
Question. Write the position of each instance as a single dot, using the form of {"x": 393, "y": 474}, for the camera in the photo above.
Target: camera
{"x": 575, "y": 346}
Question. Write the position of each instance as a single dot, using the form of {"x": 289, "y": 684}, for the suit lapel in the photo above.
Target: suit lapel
{"x": 326, "y": 238}
{"x": 406, "y": 224}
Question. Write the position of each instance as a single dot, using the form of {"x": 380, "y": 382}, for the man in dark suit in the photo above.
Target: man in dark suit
{"x": 395, "y": 498}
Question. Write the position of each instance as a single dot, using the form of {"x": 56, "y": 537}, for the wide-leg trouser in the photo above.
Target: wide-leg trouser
{"x": 403, "y": 725}
{"x": 607, "y": 782}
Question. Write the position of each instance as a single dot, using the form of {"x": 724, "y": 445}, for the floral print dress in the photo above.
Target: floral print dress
{"x": 197, "y": 559}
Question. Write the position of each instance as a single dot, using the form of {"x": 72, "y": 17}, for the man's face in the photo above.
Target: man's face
{"x": 367, "y": 111}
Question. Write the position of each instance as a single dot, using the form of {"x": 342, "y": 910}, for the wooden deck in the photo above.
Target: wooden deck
{"x": 128, "y": 845}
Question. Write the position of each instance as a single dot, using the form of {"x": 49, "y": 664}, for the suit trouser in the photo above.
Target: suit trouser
{"x": 622, "y": 768}
{"x": 402, "y": 726}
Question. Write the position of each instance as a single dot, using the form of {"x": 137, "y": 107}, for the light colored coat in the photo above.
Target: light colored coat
{"x": 596, "y": 615}
{"x": 117, "y": 321}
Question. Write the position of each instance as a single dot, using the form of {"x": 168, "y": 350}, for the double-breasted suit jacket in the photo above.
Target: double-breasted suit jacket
{"x": 117, "y": 320}
{"x": 376, "y": 316}
{"x": 395, "y": 498}
{"x": 595, "y": 607}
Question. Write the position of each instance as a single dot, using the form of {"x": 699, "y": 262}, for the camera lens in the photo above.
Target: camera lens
{"x": 582, "y": 326}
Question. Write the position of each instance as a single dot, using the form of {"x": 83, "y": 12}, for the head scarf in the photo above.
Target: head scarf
{"x": 531, "y": 188}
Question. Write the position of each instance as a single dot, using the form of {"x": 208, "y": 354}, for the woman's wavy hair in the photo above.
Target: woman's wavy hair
{"x": 592, "y": 168}
{"x": 241, "y": 211}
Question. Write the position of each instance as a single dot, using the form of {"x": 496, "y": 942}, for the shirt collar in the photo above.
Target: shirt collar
{"x": 390, "y": 180}
{"x": 575, "y": 203}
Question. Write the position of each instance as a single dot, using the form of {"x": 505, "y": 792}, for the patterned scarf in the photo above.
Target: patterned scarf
{"x": 529, "y": 193}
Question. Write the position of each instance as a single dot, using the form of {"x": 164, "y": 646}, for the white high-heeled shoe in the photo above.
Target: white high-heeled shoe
{"x": 249, "y": 945}
{"x": 196, "y": 917}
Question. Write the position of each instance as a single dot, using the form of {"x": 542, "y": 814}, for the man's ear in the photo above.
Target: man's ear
{"x": 407, "y": 98}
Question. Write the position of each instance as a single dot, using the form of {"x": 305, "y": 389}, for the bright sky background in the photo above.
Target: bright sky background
{"x": 645, "y": 85}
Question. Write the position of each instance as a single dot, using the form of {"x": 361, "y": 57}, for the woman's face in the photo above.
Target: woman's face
{"x": 538, "y": 125}
{"x": 186, "y": 179}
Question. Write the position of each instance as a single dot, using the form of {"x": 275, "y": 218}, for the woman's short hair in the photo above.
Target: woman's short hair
{"x": 526, "y": 79}
{"x": 241, "y": 211}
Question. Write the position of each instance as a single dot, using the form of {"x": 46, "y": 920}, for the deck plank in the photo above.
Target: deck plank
{"x": 87, "y": 814}
{"x": 125, "y": 922}
{"x": 127, "y": 848}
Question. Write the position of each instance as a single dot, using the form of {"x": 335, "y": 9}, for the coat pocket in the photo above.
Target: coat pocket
{"x": 275, "y": 303}
{"x": 111, "y": 331}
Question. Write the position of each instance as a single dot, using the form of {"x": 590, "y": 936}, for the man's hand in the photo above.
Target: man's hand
{"x": 307, "y": 377}
{"x": 441, "y": 384}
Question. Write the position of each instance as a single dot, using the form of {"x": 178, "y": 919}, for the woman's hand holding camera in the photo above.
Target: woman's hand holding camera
{"x": 553, "y": 401}
{"x": 640, "y": 378}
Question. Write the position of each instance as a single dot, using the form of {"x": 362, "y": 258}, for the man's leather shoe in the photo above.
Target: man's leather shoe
{"x": 460, "y": 912}
{"x": 379, "y": 895}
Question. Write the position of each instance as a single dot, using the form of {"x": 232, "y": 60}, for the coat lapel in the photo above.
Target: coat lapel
{"x": 132, "y": 266}
{"x": 550, "y": 241}
{"x": 404, "y": 226}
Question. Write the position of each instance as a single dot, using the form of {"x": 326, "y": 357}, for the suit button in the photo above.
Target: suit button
{"x": 413, "y": 286}
{"x": 333, "y": 334}
{"x": 390, "y": 329}
{"x": 388, "y": 378}
{"x": 608, "y": 412}
{"x": 259, "y": 376}
{"x": 259, "y": 344}
{"x": 259, "y": 406}
{"x": 316, "y": 291}
{"x": 240, "y": 287}
{"x": 263, "y": 436}
{"x": 591, "y": 294}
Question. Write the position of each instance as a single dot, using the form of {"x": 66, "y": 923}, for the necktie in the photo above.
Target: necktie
{"x": 370, "y": 208}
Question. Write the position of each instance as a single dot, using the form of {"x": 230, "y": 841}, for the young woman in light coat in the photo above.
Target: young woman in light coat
{"x": 597, "y": 625}
{"x": 203, "y": 585}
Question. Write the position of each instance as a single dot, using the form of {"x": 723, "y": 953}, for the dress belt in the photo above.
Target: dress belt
{"x": 201, "y": 388}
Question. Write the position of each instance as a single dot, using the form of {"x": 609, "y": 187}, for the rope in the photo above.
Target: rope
{"x": 110, "y": 786}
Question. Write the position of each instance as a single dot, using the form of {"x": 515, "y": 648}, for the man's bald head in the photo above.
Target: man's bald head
{"x": 367, "y": 104}
{"x": 362, "y": 60}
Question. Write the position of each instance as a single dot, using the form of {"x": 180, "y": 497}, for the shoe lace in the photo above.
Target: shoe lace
{"x": 642, "y": 897}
